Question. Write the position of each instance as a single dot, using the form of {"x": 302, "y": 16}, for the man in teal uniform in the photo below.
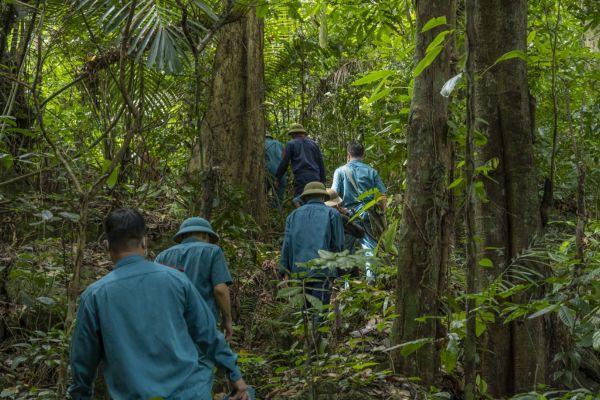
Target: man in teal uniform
{"x": 147, "y": 324}
{"x": 350, "y": 181}
{"x": 204, "y": 263}
{"x": 273, "y": 155}
{"x": 308, "y": 229}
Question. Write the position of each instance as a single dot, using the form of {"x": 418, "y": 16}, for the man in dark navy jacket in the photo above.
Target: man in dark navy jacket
{"x": 305, "y": 157}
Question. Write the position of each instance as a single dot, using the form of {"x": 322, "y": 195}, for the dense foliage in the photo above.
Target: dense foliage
{"x": 99, "y": 108}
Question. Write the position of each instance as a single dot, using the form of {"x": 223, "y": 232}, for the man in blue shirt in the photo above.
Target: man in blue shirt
{"x": 147, "y": 324}
{"x": 305, "y": 157}
{"x": 308, "y": 229}
{"x": 198, "y": 256}
{"x": 350, "y": 181}
{"x": 273, "y": 155}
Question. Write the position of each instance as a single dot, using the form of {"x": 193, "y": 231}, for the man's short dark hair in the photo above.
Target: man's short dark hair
{"x": 124, "y": 228}
{"x": 356, "y": 150}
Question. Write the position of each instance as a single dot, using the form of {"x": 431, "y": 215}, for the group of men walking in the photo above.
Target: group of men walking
{"x": 321, "y": 220}
{"x": 152, "y": 326}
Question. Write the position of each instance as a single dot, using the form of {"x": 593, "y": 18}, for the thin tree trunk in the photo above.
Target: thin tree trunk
{"x": 423, "y": 235}
{"x": 233, "y": 128}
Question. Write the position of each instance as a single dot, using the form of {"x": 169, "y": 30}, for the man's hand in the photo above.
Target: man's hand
{"x": 276, "y": 184}
{"x": 227, "y": 327}
{"x": 240, "y": 390}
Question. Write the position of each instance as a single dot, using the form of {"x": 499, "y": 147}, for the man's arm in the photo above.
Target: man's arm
{"x": 283, "y": 164}
{"x": 321, "y": 165}
{"x": 285, "y": 267}
{"x": 221, "y": 292}
{"x": 203, "y": 331}
{"x": 221, "y": 279}
{"x": 86, "y": 350}
{"x": 338, "y": 182}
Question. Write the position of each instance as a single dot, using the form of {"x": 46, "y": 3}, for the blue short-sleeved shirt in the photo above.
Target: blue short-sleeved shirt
{"x": 306, "y": 159}
{"x": 366, "y": 178}
{"x": 204, "y": 263}
{"x": 148, "y": 326}
{"x": 308, "y": 229}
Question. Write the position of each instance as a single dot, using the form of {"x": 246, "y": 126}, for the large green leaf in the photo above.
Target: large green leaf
{"x": 427, "y": 60}
{"x": 372, "y": 77}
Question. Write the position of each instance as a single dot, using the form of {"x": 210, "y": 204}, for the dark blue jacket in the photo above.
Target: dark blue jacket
{"x": 306, "y": 159}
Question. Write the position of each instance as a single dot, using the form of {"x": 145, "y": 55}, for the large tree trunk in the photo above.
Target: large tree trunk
{"x": 514, "y": 357}
{"x": 424, "y": 232}
{"x": 233, "y": 128}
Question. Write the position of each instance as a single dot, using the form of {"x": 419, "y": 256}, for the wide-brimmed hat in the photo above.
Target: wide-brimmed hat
{"x": 314, "y": 188}
{"x": 334, "y": 198}
{"x": 195, "y": 224}
{"x": 296, "y": 128}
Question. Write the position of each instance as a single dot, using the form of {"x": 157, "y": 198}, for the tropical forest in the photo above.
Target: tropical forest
{"x": 300, "y": 199}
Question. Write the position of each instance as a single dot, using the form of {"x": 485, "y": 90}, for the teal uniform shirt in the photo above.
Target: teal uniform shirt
{"x": 308, "y": 229}
{"x": 366, "y": 178}
{"x": 204, "y": 263}
{"x": 146, "y": 324}
{"x": 273, "y": 154}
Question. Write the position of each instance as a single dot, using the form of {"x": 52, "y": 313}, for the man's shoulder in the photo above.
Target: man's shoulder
{"x": 143, "y": 268}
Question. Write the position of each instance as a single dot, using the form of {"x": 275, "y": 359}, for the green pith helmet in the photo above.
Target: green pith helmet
{"x": 315, "y": 188}
{"x": 196, "y": 224}
{"x": 296, "y": 128}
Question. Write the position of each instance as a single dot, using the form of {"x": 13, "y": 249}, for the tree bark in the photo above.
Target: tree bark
{"x": 426, "y": 214}
{"x": 515, "y": 356}
{"x": 233, "y": 127}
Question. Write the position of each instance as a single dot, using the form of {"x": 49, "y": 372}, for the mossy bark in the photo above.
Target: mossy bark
{"x": 513, "y": 356}
{"x": 424, "y": 232}
{"x": 233, "y": 127}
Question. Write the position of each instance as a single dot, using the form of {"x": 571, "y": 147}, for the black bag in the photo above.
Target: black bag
{"x": 376, "y": 216}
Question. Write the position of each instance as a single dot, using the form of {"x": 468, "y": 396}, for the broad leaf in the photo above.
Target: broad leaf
{"x": 372, "y": 77}
{"x": 433, "y": 22}
{"x": 512, "y": 54}
{"x": 427, "y": 60}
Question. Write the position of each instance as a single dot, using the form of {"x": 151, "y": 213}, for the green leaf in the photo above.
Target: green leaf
{"x": 112, "y": 179}
{"x": 372, "y": 77}
{"x": 427, "y": 60}
{"x": 262, "y": 9}
{"x": 438, "y": 40}
{"x": 379, "y": 95}
{"x": 316, "y": 303}
{"x": 433, "y": 22}
{"x": 543, "y": 311}
{"x": 288, "y": 291}
{"x": 456, "y": 182}
{"x": 512, "y": 54}
{"x": 6, "y": 161}
{"x": 596, "y": 340}
{"x": 486, "y": 263}
{"x": 449, "y": 354}
{"x": 411, "y": 347}
{"x": 567, "y": 316}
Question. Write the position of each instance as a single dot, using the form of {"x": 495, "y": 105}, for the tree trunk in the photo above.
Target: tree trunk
{"x": 424, "y": 232}
{"x": 514, "y": 358}
{"x": 233, "y": 128}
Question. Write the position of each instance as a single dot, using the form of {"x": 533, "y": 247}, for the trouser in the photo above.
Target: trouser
{"x": 301, "y": 181}
{"x": 319, "y": 288}
{"x": 279, "y": 193}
